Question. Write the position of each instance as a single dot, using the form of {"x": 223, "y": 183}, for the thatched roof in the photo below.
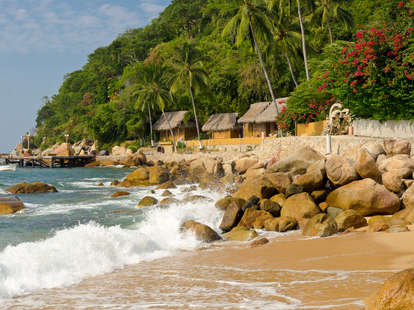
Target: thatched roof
{"x": 176, "y": 120}
{"x": 263, "y": 112}
{"x": 222, "y": 121}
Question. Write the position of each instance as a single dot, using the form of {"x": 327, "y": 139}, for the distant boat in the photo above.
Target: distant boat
{"x": 8, "y": 167}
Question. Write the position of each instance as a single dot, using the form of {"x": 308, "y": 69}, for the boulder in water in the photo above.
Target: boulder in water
{"x": 31, "y": 188}
{"x": 201, "y": 231}
{"x": 147, "y": 201}
{"x": 119, "y": 194}
{"x": 10, "y": 205}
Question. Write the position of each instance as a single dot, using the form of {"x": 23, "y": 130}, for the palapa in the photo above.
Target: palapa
{"x": 221, "y": 122}
{"x": 176, "y": 120}
{"x": 254, "y": 111}
{"x": 263, "y": 112}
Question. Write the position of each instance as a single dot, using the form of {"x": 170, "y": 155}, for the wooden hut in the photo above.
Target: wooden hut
{"x": 223, "y": 126}
{"x": 182, "y": 131}
{"x": 261, "y": 117}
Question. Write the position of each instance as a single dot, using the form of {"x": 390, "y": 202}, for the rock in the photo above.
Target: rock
{"x": 375, "y": 149}
{"x": 240, "y": 234}
{"x": 158, "y": 175}
{"x": 252, "y": 172}
{"x": 259, "y": 242}
{"x": 408, "y": 198}
{"x": 313, "y": 178}
{"x": 366, "y": 166}
{"x": 202, "y": 232}
{"x": 333, "y": 212}
{"x": 407, "y": 182}
{"x": 167, "y": 185}
{"x": 279, "y": 180}
{"x": 298, "y": 162}
{"x": 254, "y": 218}
{"x": 300, "y": 207}
{"x": 166, "y": 193}
{"x": 140, "y": 177}
{"x": 340, "y": 171}
{"x": 294, "y": 189}
{"x": 100, "y": 184}
{"x": 115, "y": 183}
{"x": 228, "y": 169}
{"x": 31, "y": 188}
{"x": 243, "y": 164}
{"x": 397, "y": 146}
{"x": 279, "y": 199}
{"x": 147, "y": 201}
{"x": 257, "y": 186}
{"x": 349, "y": 219}
{"x": 378, "y": 223}
{"x": 287, "y": 223}
{"x": 271, "y": 224}
{"x": 366, "y": 197}
{"x": 397, "y": 229}
{"x": 169, "y": 201}
{"x": 401, "y": 165}
{"x": 323, "y": 206}
{"x": 270, "y": 206}
{"x": 252, "y": 202}
{"x": 223, "y": 203}
{"x": 319, "y": 195}
{"x": 320, "y": 225}
{"x": 231, "y": 217}
{"x": 10, "y": 205}
{"x": 119, "y": 194}
{"x": 392, "y": 182}
{"x": 397, "y": 293}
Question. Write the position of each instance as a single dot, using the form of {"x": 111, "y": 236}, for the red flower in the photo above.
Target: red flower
{"x": 359, "y": 34}
{"x": 400, "y": 4}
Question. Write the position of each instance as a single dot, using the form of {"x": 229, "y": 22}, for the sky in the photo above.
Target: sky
{"x": 42, "y": 40}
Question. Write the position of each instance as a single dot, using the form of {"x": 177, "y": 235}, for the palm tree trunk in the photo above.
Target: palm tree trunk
{"x": 195, "y": 111}
{"x": 259, "y": 53}
{"x": 171, "y": 131}
{"x": 302, "y": 29}
{"x": 291, "y": 70}
{"x": 150, "y": 121}
{"x": 330, "y": 30}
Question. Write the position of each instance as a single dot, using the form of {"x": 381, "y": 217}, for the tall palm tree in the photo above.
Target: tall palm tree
{"x": 187, "y": 65}
{"x": 329, "y": 10}
{"x": 249, "y": 21}
{"x": 302, "y": 30}
{"x": 152, "y": 90}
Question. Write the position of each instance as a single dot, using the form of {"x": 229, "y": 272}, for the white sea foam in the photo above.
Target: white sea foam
{"x": 91, "y": 249}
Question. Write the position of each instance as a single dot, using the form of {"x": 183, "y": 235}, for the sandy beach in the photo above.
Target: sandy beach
{"x": 290, "y": 272}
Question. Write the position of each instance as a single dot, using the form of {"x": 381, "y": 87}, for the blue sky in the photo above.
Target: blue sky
{"x": 41, "y": 40}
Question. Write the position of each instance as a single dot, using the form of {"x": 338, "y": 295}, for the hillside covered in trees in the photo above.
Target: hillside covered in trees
{"x": 224, "y": 55}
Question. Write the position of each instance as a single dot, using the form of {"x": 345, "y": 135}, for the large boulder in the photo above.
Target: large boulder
{"x": 401, "y": 165}
{"x": 208, "y": 165}
{"x": 243, "y": 164}
{"x": 147, "y": 201}
{"x": 167, "y": 185}
{"x": 201, "y": 231}
{"x": 408, "y": 198}
{"x": 270, "y": 206}
{"x": 223, "y": 203}
{"x": 139, "y": 177}
{"x": 366, "y": 166}
{"x": 375, "y": 149}
{"x": 397, "y": 146}
{"x": 240, "y": 234}
{"x": 31, "y": 188}
{"x": 279, "y": 199}
{"x": 321, "y": 225}
{"x": 392, "y": 182}
{"x": 397, "y": 293}
{"x": 349, "y": 219}
{"x": 260, "y": 186}
{"x": 340, "y": 170}
{"x": 298, "y": 162}
{"x": 253, "y": 218}
{"x": 313, "y": 178}
{"x": 279, "y": 180}
{"x": 10, "y": 205}
{"x": 366, "y": 197}
{"x": 232, "y": 216}
{"x": 158, "y": 175}
{"x": 300, "y": 207}
{"x": 287, "y": 223}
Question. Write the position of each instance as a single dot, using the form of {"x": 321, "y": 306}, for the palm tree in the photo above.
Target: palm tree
{"x": 287, "y": 39}
{"x": 328, "y": 11}
{"x": 152, "y": 90}
{"x": 302, "y": 30}
{"x": 251, "y": 15}
{"x": 187, "y": 64}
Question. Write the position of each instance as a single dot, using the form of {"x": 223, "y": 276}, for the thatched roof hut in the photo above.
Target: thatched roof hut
{"x": 263, "y": 112}
{"x": 221, "y": 122}
{"x": 176, "y": 120}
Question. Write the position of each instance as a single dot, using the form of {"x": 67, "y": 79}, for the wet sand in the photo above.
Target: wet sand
{"x": 290, "y": 272}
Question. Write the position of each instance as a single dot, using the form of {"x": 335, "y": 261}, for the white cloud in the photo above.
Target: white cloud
{"x": 40, "y": 25}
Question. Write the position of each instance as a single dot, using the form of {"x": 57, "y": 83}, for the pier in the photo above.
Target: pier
{"x": 49, "y": 161}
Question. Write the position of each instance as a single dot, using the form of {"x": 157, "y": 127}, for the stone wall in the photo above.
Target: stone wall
{"x": 388, "y": 129}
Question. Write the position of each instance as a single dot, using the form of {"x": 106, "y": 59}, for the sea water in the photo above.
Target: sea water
{"x": 62, "y": 238}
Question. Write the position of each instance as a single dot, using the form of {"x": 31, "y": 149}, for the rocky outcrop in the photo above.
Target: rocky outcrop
{"x": 321, "y": 225}
{"x": 349, "y": 219}
{"x": 10, "y": 205}
{"x": 140, "y": 177}
{"x": 340, "y": 171}
{"x": 147, "y": 201}
{"x": 240, "y": 234}
{"x": 158, "y": 175}
{"x": 202, "y": 232}
{"x": 397, "y": 293}
{"x": 31, "y": 188}
{"x": 366, "y": 197}
{"x": 300, "y": 207}
{"x": 119, "y": 194}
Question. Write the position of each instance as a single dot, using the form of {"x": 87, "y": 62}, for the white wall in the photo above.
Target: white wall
{"x": 387, "y": 129}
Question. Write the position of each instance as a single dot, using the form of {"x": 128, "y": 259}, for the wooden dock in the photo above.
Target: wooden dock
{"x": 49, "y": 161}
